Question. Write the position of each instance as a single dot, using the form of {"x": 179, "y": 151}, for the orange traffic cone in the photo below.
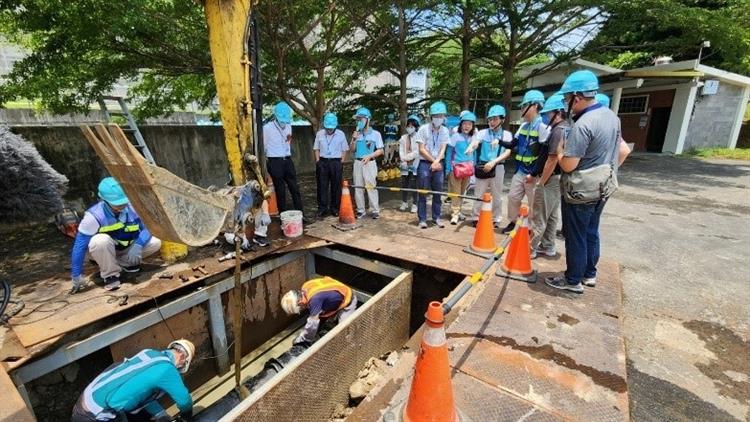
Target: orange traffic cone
{"x": 431, "y": 394}
{"x": 484, "y": 236}
{"x": 517, "y": 264}
{"x": 273, "y": 208}
{"x": 346, "y": 210}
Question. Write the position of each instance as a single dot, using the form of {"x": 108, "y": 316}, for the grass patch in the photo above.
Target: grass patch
{"x": 725, "y": 153}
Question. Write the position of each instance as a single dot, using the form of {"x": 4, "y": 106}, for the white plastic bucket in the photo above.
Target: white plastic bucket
{"x": 291, "y": 223}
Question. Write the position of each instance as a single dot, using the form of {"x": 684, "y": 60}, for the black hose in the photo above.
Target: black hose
{"x": 6, "y": 297}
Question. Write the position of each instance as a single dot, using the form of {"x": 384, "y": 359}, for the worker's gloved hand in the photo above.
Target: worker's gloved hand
{"x": 134, "y": 255}
{"x": 265, "y": 219}
{"x": 300, "y": 339}
{"x": 78, "y": 284}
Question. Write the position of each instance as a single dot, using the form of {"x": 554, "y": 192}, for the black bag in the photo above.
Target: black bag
{"x": 479, "y": 172}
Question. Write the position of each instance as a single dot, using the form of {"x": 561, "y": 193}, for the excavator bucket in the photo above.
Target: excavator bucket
{"x": 170, "y": 207}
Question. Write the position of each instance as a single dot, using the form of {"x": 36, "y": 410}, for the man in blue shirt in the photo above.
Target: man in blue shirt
{"x": 330, "y": 149}
{"x": 367, "y": 145}
{"x": 527, "y": 143}
{"x": 277, "y": 141}
{"x": 136, "y": 384}
{"x": 113, "y": 235}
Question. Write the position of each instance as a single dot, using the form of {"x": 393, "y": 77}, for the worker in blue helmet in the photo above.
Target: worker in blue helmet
{"x": 490, "y": 156}
{"x": 546, "y": 203}
{"x": 367, "y": 144}
{"x": 433, "y": 138}
{"x": 330, "y": 148}
{"x": 527, "y": 144}
{"x": 588, "y": 158}
{"x": 602, "y": 99}
{"x": 408, "y": 153}
{"x": 277, "y": 142}
{"x": 462, "y": 163}
{"x": 113, "y": 235}
{"x": 390, "y": 139}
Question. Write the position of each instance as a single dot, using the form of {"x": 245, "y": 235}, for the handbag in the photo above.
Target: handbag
{"x": 462, "y": 170}
{"x": 589, "y": 185}
{"x": 479, "y": 172}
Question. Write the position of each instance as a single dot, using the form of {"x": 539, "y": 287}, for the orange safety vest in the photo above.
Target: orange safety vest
{"x": 327, "y": 284}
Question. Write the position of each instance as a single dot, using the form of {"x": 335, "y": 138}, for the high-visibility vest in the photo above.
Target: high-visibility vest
{"x": 327, "y": 284}
{"x": 124, "y": 233}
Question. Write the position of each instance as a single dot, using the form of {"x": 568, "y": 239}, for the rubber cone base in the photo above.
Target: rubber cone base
{"x": 396, "y": 413}
{"x": 527, "y": 278}
{"x": 346, "y": 227}
{"x": 471, "y": 251}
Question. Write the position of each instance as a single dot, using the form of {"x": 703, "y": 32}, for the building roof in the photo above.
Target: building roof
{"x": 708, "y": 71}
{"x": 601, "y": 68}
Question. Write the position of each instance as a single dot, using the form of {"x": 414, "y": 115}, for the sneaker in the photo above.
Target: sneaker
{"x": 112, "y": 283}
{"x": 533, "y": 253}
{"x": 509, "y": 228}
{"x": 375, "y": 215}
{"x": 414, "y": 208}
{"x": 559, "y": 282}
{"x": 496, "y": 224}
{"x": 360, "y": 214}
{"x": 422, "y": 224}
{"x": 548, "y": 252}
{"x": 261, "y": 241}
{"x": 454, "y": 219}
{"x": 439, "y": 223}
{"x": 131, "y": 269}
{"x": 404, "y": 206}
{"x": 559, "y": 234}
{"x": 589, "y": 282}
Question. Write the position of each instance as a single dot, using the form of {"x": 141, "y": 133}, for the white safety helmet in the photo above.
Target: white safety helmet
{"x": 186, "y": 347}
{"x": 290, "y": 302}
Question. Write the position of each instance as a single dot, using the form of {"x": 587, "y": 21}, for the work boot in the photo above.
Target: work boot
{"x": 509, "y": 227}
{"x": 404, "y": 206}
{"x": 112, "y": 283}
{"x": 559, "y": 282}
{"x": 131, "y": 268}
{"x": 261, "y": 241}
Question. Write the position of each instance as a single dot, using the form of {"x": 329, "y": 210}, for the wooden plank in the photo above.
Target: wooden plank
{"x": 14, "y": 407}
{"x": 51, "y": 311}
{"x": 397, "y": 235}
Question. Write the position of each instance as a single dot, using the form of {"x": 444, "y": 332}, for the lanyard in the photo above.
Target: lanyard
{"x": 281, "y": 131}
{"x": 328, "y": 142}
{"x": 435, "y": 138}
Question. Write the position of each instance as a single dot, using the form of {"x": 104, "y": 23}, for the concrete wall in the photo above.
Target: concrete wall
{"x": 194, "y": 153}
{"x": 714, "y": 118}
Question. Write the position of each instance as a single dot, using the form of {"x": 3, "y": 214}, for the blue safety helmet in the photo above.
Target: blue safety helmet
{"x": 532, "y": 97}
{"x": 111, "y": 192}
{"x": 282, "y": 112}
{"x": 469, "y": 116}
{"x": 602, "y": 99}
{"x": 554, "y": 103}
{"x": 363, "y": 112}
{"x": 496, "y": 111}
{"x": 416, "y": 119}
{"x": 438, "y": 108}
{"x": 580, "y": 81}
{"x": 330, "y": 121}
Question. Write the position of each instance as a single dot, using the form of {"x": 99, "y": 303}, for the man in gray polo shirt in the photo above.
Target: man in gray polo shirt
{"x": 594, "y": 140}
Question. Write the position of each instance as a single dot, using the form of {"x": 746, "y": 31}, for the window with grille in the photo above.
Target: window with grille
{"x": 636, "y": 104}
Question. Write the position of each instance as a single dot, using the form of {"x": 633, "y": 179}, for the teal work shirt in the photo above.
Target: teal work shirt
{"x": 137, "y": 383}
{"x": 367, "y": 143}
{"x": 460, "y": 142}
{"x": 486, "y": 151}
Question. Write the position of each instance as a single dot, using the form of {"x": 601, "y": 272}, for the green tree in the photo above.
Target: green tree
{"x": 640, "y": 30}
{"x": 79, "y": 49}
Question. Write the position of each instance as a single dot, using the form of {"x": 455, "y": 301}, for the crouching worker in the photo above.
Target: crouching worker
{"x": 113, "y": 235}
{"x": 251, "y": 212}
{"x": 324, "y": 298}
{"x": 136, "y": 384}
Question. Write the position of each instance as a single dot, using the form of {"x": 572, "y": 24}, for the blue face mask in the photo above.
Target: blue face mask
{"x": 360, "y": 125}
{"x": 545, "y": 118}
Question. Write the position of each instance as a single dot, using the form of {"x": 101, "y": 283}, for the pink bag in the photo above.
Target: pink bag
{"x": 463, "y": 170}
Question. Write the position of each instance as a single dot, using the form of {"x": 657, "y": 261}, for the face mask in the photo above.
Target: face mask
{"x": 360, "y": 124}
{"x": 546, "y": 119}
{"x": 330, "y": 131}
{"x": 437, "y": 121}
{"x": 410, "y": 130}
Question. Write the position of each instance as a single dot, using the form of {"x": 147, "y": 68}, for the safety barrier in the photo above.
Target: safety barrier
{"x": 422, "y": 191}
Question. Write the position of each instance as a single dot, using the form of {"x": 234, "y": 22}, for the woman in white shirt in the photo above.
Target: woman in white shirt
{"x": 408, "y": 152}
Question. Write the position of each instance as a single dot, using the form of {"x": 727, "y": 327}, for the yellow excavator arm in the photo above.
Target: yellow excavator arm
{"x": 172, "y": 208}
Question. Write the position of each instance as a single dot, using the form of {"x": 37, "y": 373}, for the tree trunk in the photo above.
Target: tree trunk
{"x": 465, "y": 57}
{"x": 508, "y": 89}
{"x": 403, "y": 72}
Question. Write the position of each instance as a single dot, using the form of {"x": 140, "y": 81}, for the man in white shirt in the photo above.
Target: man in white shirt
{"x": 330, "y": 149}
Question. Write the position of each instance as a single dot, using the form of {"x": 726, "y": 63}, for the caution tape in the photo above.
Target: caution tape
{"x": 420, "y": 191}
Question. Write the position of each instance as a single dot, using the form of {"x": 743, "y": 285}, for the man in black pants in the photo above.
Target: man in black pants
{"x": 330, "y": 150}
{"x": 277, "y": 139}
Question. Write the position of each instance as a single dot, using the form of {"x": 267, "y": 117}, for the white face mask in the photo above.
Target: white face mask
{"x": 437, "y": 121}
{"x": 410, "y": 130}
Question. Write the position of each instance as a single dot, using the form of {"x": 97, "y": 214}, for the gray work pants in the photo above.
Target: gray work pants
{"x": 545, "y": 215}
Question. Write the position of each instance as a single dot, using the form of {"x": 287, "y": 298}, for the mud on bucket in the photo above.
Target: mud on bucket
{"x": 291, "y": 223}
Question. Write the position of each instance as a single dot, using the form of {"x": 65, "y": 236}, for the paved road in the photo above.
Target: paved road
{"x": 679, "y": 227}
